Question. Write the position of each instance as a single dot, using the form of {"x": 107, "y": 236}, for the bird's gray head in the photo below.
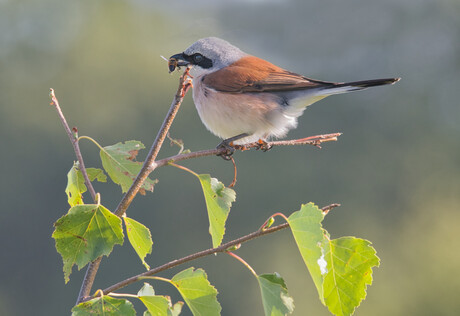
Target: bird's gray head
{"x": 208, "y": 55}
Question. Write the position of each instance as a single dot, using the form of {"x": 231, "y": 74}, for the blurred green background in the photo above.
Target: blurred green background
{"x": 395, "y": 170}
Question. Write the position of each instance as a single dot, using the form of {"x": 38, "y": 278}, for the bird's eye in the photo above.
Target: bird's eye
{"x": 197, "y": 58}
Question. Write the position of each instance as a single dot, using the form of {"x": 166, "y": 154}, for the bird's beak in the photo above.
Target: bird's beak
{"x": 177, "y": 60}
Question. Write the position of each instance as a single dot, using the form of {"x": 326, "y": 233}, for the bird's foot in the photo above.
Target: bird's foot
{"x": 263, "y": 145}
{"x": 229, "y": 147}
{"x": 228, "y": 151}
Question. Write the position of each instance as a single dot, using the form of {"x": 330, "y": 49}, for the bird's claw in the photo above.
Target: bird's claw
{"x": 229, "y": 147}
{"x": 228, "y": 152}
{"x": 263, "y": 145}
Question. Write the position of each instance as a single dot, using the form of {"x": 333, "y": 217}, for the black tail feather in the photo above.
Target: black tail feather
{"x": 329, "y": 88}
{"x": 369, "y": 83}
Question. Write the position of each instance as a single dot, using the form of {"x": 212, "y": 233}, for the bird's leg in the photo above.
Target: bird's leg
{"x": 228, "y": 145}
{"x": 263, "y": 145}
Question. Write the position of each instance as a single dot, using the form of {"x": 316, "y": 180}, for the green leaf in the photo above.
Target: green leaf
{"x": 140, "y": 238}
{"x": 218, "y": 202}
{"x": 76, "y": 183}
{"x": 158, "y": 305}
{"x": 146, "y": 290}
{"x": 119, "y": 162}
{"x": 308, "y": 234}
{"x": 275, "y": 297}
{"x": 350, "y": 261}
{"x": 96, "y": 173}
{"x": 198, "y": 293}
{"x": 105, "y": 305}
{"x": 341, "y": 268}
{"x": 86, "y": 233}
{"x": 175, "y": 310}
{"x": 75, "y": 186}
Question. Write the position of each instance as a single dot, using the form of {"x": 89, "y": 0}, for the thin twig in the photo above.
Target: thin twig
{"x": 329, "y": 207}
{"x": 235, "y": 171}
{"x": 242, "y": 261}
{"x": 74, "y": 142}
{"x": 222, "y": 248}
{"x": 184, "y": 86}
{"x": 204, "y": 253}
{"x": 312, "y": 140}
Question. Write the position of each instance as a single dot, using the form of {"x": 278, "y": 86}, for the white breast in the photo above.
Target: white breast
{"x": 229, "y": 114}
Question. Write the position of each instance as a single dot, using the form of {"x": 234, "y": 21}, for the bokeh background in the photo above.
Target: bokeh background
{"x": 395, "y": 170}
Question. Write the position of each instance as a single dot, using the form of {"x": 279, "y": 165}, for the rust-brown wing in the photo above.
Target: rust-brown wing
{"x": 252, "y": 74}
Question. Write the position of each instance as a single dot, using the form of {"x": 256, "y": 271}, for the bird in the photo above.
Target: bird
{"x": 244, "y": 99}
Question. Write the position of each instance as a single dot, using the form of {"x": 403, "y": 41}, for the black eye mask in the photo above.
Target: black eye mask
{"x": 199, "y": 60}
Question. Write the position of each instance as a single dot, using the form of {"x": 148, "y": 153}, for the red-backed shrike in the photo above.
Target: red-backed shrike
{"x": 243, "y": 98}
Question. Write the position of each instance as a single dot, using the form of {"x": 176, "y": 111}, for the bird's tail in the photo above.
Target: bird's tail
{"x": 336, "y": 88}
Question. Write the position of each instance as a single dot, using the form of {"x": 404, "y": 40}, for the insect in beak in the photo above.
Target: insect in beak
{"x": 176, "y": 61}
{"x": 173, "y": 64}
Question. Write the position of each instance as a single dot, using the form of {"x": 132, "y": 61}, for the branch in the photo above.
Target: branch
{"x": 312, "y": 140}
{"x": 74, "y": 142}
{"x": 204, "y": 253}
{"x": 222, "y": 248}
{"x": 184, "y": 86}
{"x": 316, "y": 140}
